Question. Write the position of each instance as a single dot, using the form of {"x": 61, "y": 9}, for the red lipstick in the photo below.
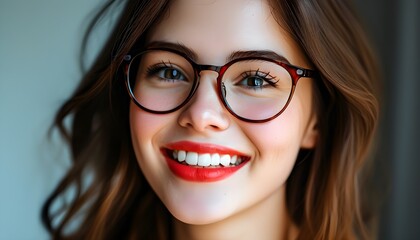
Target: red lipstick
{"x": 197, "y": 173}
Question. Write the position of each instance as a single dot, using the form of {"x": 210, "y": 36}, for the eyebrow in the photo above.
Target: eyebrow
{"x": 258, "y": 53}
{"x": 234, "y": 55}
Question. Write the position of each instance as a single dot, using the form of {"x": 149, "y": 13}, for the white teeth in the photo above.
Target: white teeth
{"x": 233, "y": 159}
{"x": 206, "y": 159}
{"x": 225, "y": 160}
{"x": 192, "y": 158}
{"x": 215, "y": 159}
{"x": 181, "y": 155}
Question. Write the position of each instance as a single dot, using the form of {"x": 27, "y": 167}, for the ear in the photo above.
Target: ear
{"x": 310, "y": 136}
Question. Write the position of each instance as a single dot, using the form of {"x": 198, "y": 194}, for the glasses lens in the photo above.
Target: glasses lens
{"x": 160, "y": 80}
{"x": 256, "y": 89}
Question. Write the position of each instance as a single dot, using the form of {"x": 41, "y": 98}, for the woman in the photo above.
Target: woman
{"x": 221, "y": 120}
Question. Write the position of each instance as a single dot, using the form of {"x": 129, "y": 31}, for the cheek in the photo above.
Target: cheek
{"x": 147, "y": 128}
{"x": 284, "y": 134}
{"x": 277, "y": 144}
{"x": 139, "y": 119}
{"x": 278, "y": 137}
{"x": 144, "y": 139}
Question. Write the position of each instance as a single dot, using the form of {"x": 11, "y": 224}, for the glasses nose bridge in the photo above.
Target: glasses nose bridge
{"x": 201, "y": 67}
{"x": 214, "y": 68}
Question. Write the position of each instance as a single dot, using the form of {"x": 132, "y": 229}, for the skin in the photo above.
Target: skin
{"x": 249, "y": 204}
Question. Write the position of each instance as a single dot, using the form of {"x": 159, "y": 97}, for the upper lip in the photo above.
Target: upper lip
{"x": 203, "y": 148}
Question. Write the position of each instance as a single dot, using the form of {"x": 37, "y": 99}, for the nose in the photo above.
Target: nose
{"x": 205, "y": 112}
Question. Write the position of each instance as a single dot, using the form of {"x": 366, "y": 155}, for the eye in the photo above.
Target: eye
{"x": 166, "y": 72}
{"x": 253, "y": 82}
{"x": 171, "y": 73}
{"x": 256, "y": 80}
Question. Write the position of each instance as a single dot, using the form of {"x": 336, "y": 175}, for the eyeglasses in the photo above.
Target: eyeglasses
{"x": 253, "y": 89}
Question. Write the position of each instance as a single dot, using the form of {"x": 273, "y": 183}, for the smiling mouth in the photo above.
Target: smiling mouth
{"x": 200, "y": 162}
{"x": 205, "y": 160}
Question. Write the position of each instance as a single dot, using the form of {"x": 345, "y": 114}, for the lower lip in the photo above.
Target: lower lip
{"x": 200, "y": 174}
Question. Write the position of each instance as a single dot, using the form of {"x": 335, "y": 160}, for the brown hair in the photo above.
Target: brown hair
{"x": 333, "y": 40}
{"x": 111, "y": 197}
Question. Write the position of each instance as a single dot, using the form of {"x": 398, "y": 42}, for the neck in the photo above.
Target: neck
{"x": 267, "y": 219}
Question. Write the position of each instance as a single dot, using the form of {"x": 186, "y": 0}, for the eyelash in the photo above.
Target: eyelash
{"x": 151, "y": 70}
{"x": 265, "y": 76}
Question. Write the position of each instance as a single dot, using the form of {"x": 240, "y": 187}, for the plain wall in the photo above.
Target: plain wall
{"x": 39, "y": 50}
{"x": 394, "y": 27}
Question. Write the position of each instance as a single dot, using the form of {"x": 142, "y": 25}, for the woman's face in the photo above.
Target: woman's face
{"x": 202, "y": 195}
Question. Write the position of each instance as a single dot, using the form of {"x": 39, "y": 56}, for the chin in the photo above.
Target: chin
{"x": 199, "y": 218}
{"x": 200, "y": 214}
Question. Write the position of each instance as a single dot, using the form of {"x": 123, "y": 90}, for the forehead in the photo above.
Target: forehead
{"x": 216, "y": 28}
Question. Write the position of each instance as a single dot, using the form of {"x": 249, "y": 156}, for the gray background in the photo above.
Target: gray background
{"x": 394, "y": 27}
{"x": 39, "y": 49}
{"x": 39, "y": 46}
